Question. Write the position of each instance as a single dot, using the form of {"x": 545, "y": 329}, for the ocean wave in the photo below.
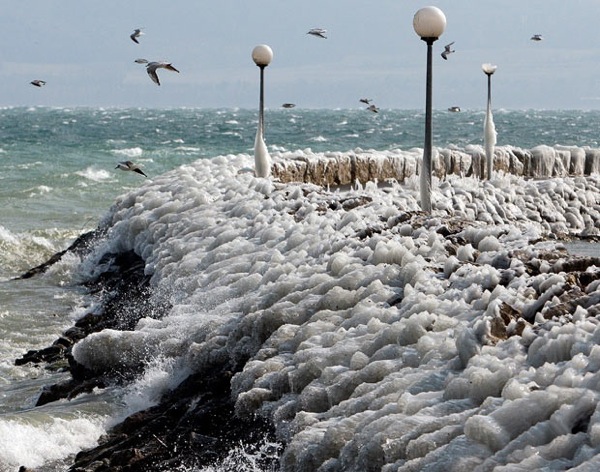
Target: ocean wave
{"x": 22, "y": 251}
{"x": 187, "y": 149}
{"x": 39, "y": 190}
{"x": 128, "y": 152}
{"x": 44, "y": 440}
{"x": 95, "y": 174}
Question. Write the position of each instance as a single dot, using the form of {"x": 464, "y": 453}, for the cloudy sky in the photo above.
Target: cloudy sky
{"x": 82, "y": 49}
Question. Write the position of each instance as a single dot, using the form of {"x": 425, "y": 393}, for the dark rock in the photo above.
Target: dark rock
{"x": 68, "y": 389}
{"x": 82, "y": 245}
{"x": 193, "y": 426}
{"x": 124, "y": 289}
{"x": 48, "y": 354}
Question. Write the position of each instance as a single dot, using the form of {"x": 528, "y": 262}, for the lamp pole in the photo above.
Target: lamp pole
{"x": 489, "y": 129}
{"x": 262, "y": 56}
{"x": 429, "y": 23}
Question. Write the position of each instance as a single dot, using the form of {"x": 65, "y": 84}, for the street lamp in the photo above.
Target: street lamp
{"x": 262, "y": 56}
{"x": 429, "y": 23}
{"x": 489, "y": 129}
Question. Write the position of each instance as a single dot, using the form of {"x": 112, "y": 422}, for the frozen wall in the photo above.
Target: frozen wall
{"x": 337, "y": 168}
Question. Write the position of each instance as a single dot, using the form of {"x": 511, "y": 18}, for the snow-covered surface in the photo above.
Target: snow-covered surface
{"x": 373, "y": 336}
{"x": 340, "y": 168}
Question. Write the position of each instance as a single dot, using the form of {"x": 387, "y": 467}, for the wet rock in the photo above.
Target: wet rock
{"x": 81, "y": 246}
{"x": 124, "y": 290}
{"x": 194, "y": 425}
{"x": 48, "y": 355}
{"x": 68, "y": 389}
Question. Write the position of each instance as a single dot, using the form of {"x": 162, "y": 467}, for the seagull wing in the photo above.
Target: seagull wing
{"x": 151, "y": 69}
{"x": 320, "y": 32}
{"x": 136, "y": 34}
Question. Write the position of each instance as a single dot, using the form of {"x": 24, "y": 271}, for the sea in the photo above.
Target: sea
{"x": 58, "y": 178}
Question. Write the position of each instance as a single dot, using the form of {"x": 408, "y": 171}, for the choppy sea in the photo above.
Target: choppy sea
{"x": 58, "y": 178}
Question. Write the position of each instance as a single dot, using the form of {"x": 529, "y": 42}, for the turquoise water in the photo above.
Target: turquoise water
{"x": 57, "y": 165}
{"x": 58, "y": 177}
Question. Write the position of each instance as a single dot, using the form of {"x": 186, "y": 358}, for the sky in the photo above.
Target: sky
{"x": 82, "y": 49}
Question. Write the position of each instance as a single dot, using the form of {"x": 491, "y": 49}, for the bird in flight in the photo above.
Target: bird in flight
{"x": 38, "y": 82}
{"x": 130, "y": 166}
{"x": 373, "y": 108}
{"x": 151, "y": 68}
{"x": 141, "y": 61}
{"x": 288, "y": 105}
{"x": 319, "y": 32}
{"x": 365, "y": 100}
{"x": 536, "y": 37}
{"x": 448, "y": 50}
{"x": 135, "y": 35}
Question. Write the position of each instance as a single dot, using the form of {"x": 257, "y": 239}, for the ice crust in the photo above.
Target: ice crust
{"x": 366, "y": 329}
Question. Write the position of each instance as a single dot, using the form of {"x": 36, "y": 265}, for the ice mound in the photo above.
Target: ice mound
{"x": 373, "y": 336}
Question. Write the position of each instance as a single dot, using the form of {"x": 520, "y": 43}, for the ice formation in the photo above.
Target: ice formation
{"x": 374, "y": 337}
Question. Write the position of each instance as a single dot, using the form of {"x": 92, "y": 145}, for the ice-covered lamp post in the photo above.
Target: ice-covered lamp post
{"x": 262, "y": 56}
{"x": 489, "y": 129}
{"x": 429, "y": 23}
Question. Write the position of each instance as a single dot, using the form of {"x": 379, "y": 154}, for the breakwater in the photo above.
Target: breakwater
{"x": 341, "y": 168}
{"x": 288, "y": 310}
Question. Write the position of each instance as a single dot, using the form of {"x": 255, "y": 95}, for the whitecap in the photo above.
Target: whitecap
{"x": 37, "y": 443}
{"x": 128, "y": 152}
{"x": 94, "y": 174}
{"x": 39, "y": 190}
{"x": 187, "y": 149}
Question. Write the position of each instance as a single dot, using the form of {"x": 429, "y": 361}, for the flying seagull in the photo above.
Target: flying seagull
{"x": 288, "y": 105}
{"x": 536, "y": 37}
{"x": 130, "y": 166}
{"x": 448, "y": 50}
{"x": 365, "y": 100}
{"x": 373, "y": 108}
{"x": 135, "y": 35}
{"x": 141, "y": 61}
{"x": 38, "y": 82}
{"x": 152, "y": 66}
{"x": 319, "y": 32}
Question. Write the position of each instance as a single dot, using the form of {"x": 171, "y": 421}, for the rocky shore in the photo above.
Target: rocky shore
{"x": 194, "y": 425}
{"x": 199, "y": 422}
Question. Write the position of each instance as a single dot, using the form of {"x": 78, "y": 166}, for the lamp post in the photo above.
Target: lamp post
{"x": 262, "y": 56}
{"x": 489, "y": 129}
{"x": 429, "y": 23}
